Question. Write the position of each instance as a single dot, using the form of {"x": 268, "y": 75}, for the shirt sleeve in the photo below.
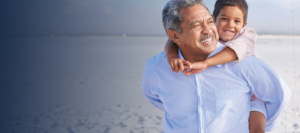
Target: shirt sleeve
{"x": 268, "y": 86}
{"x": 258, "y": 105}
{"x": 243, "y": 43}
{"x": 147, "y": 86}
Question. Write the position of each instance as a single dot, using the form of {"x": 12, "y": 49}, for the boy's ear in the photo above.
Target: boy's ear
{"x": 174, "y": 36}
{"x": 245, "y": 24}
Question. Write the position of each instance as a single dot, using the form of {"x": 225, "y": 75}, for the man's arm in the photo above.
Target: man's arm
{"x": 147, "y": 86}
{"x": 257, "y": 118}
{"x": 268, "y": 86}
{"x": 257, "y": 122}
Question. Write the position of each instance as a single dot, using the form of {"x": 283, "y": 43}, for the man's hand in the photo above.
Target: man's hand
{"x": 196, "y": 67}
{"x": 178, "y": 64}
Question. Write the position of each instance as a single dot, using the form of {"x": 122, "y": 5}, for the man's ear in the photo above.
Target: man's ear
{"x": 245, "y": 24}
{"x": 213, "y": 18}
{"x": 174, "y": 36}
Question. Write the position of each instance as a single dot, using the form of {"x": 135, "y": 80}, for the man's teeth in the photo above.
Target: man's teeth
{"x": 207, "y": 40}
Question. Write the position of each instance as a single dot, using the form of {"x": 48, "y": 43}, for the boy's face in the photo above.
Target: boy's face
{"x": 229, "y": 22}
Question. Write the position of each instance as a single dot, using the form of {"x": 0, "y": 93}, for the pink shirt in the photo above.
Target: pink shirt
{"x": 244, "y": 46}
{"x": 243, "y": 43}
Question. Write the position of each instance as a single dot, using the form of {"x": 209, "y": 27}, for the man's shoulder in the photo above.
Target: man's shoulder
{"x": 156, "y": 59}
{"x": 248, "y": 65}
{"x": 157, "y": 62}
{"x": 252, "y": 62}
{"x": 154, "y": 67}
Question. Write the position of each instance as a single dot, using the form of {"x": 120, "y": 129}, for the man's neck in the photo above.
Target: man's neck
{"x": 193, "y": 57}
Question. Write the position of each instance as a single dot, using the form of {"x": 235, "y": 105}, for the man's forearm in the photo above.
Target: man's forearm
{"x": 257, "y": 122}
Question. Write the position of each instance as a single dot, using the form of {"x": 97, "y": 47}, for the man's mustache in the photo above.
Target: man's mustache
{"x": 207, "y": 36}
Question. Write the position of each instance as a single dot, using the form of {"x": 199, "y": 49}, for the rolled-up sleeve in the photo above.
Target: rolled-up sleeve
{"x": 244, "y": 43}
{"x": 268, "y": 86}
{"x": 258, "y": 105}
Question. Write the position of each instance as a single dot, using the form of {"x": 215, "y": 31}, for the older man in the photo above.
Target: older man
{"x": 217, "y": 99}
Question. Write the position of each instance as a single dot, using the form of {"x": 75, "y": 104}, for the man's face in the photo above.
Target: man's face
{"x": 199, "y": 33}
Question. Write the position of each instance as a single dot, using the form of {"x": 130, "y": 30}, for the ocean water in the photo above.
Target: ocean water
{"x": 93, "y": 84}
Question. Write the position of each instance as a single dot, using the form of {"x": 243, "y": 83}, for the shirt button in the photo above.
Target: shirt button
{"x": 201, "y": 111}
{"x": 202, "y": 131}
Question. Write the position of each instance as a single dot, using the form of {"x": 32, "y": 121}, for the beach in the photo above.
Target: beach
{"x": 92, "y": 84}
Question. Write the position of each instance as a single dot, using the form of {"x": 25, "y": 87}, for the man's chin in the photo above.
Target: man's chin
{"x": 209, "y": 50}
{"x": 212, "y": 49}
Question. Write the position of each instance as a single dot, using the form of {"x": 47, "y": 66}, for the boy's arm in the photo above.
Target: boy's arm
{"x": 242, "y": 46}
{"x": 171, "y": 50}
{"x": 173, "y": 59}
{"x": 225, "y": 56}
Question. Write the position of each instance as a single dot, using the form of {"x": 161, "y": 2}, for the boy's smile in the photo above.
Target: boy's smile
{"x": 229, "y": 22}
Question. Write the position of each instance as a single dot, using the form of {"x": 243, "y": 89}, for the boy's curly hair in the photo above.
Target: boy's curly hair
{"x": 242, "y": 4}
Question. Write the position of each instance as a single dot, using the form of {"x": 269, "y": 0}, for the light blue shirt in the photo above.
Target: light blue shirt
{"x": 216, "y": 100}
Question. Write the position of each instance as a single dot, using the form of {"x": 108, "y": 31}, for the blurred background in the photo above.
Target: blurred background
{"x": 76, "y": 66}
{"x": 130, "y": 17}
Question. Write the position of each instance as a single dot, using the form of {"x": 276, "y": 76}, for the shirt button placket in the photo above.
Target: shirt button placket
{"x": 200, "y": 108}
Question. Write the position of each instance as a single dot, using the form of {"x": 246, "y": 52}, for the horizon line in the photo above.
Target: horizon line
{"x": 124, "y": 35}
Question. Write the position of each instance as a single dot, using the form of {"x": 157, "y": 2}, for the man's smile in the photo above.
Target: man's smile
{"x": 208, "y": 39}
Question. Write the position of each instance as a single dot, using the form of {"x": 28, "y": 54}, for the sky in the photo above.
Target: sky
{"x": 130, "y": 17}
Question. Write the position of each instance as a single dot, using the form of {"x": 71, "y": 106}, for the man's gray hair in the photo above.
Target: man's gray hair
{"x": 171, "y": 14}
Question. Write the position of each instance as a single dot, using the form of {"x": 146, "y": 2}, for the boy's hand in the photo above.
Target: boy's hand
{"x": 178, "y": 64}
{"x": 196, "y": 67}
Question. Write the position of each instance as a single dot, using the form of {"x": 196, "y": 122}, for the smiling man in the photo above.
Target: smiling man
{"x": 216, "y": 100}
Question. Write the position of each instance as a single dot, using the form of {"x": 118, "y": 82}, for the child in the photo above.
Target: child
{"x": 230, "y": 19}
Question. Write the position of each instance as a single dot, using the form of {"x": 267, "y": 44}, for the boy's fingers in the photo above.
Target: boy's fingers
{"x": 189, "y": 73}
{"x": 176, "y": 66}
{"x": 187, "y": 63}
{"x": 181, "y": 66}
{"x": 172, "y": 66}
{"x": 187, "y": 67}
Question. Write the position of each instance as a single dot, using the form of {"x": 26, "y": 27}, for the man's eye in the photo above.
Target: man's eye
{"x": 210, "y": 22}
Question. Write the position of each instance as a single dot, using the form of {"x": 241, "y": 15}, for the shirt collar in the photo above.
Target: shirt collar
{"x": 218, "y": 49}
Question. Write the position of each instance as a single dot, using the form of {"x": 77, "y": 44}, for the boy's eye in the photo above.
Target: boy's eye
{"x": 224, "y": 18}
{"x": 237, "y": 21}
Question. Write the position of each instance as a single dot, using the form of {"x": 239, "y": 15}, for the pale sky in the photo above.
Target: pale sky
{"x": 131, "y": 17}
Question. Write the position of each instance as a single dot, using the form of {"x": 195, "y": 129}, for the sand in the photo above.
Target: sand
{"x": 93, "y": 84}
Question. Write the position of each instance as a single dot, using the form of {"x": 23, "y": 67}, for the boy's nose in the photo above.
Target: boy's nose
{"x": 231, "y": 24}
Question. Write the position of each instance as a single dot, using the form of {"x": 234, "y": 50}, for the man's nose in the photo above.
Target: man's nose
{"x": 206, "y": 29}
